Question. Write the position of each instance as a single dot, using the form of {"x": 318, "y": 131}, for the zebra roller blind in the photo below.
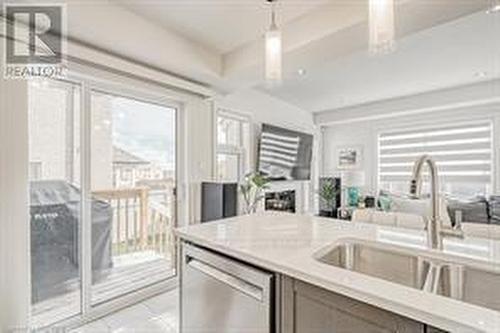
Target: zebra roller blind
{"x": 463, "y": 152}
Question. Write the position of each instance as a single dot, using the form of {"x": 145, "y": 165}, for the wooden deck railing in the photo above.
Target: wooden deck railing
{"x": 139, "y": 223}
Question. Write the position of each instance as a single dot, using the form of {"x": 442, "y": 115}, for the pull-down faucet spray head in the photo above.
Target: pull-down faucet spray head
{"x": 414, "y": 192}
{"x": 416, "y": 179}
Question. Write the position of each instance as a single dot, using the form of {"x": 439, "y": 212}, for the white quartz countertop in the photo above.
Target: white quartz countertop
{"x": 287, "y": 244}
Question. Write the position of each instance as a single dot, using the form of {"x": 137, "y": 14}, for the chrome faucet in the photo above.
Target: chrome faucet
{"x": 435, "y": 229}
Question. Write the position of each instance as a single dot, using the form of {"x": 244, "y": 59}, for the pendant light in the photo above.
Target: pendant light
{"x": 382, "y": 30}
{"x": 494, "y": 7}
{"x": 274, "y": 52}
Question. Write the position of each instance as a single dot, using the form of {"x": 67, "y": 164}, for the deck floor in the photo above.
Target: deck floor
{"x": 130, "y": 272}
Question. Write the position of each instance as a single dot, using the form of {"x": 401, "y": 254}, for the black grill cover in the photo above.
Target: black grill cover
{"x": 55, "y": 214}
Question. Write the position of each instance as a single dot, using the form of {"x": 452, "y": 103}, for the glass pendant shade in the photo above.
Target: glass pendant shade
{"x": 274, "y": 50}
{"x": 494, "y": 7}
{"x": 274, "y": 55}
{"x": 382, "y": 29}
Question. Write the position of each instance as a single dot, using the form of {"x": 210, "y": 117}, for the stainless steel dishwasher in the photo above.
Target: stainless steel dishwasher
{"x": 222, "y": 295}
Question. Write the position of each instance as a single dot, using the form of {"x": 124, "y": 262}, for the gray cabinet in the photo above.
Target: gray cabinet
{"x": 309, "y": 309}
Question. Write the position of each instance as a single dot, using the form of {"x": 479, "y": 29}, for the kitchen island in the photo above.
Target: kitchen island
{"x": 310, "y": 290}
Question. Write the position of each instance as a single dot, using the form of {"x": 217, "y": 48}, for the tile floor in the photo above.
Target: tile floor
{"x": 155, "y": 315}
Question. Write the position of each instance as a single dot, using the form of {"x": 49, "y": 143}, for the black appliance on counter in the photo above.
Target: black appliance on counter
{"x": 218, "y": 201}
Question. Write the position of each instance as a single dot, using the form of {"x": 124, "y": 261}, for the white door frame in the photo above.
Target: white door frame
{"x": 143, "y": 92}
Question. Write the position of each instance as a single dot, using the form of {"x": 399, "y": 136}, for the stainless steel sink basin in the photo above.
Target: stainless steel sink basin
{"x": 471, "y": 285}
{"x": 395, "y": 266}
{"x": 454, "y": 277}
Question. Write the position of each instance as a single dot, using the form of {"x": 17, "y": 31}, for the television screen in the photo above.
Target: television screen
{"x": 285, "y": 154}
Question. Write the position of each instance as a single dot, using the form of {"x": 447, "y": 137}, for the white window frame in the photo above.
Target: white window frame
{"x": 494, "y": 121}
{"x": 240, "y": 151}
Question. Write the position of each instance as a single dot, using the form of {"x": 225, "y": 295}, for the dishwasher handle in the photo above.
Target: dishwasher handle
{"x": 228, "y": 279}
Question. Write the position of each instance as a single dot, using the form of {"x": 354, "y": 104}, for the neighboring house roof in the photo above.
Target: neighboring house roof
{"x": 121, "y": 156}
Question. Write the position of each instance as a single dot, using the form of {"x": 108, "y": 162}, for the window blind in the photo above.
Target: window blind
{"x": 463, "y": 153}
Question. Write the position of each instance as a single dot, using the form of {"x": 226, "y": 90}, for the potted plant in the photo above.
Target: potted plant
{"x": 328, "y": 194}
{"x": 252, "y": 190}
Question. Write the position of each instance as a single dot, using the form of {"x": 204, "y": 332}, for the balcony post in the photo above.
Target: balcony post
{"x": 144, "y": 212}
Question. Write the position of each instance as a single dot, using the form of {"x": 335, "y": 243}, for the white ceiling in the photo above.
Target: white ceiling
{"x": 440, "y": 44}
{"x": 222, "y": 25}
{"x": 460, "y": 52}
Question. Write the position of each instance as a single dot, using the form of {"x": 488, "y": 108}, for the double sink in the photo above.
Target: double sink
{"x": 430, "y": 271}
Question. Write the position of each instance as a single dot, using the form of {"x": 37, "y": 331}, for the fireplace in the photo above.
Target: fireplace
{"x": 283, "y": 201}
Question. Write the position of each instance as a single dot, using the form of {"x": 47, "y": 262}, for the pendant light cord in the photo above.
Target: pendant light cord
{"x": 274, "y": 26}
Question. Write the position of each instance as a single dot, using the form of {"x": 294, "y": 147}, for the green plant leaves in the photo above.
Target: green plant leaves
{"x": 328, "y": 192}
{"x": 252, "y": 188}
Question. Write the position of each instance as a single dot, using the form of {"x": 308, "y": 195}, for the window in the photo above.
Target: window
{"x": 233, "y": 141}
{"x": 463, "y": 153}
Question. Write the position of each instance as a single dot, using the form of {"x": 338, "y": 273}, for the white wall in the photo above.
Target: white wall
{"x": 199, "y": 150}
{"x": 361, "y": 128}
{"x": 360, "y": 134}
{"x": 430, "y": 102}
{"x": 263, "y": 108}
{"x": 14, "y": 231}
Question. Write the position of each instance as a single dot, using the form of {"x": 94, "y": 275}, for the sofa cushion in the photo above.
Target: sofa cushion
{"x": 475, "y": 210}
{"x": 420, "y": 207}
{"x": 494, "y": 205}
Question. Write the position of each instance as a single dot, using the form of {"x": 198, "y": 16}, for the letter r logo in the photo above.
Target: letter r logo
{"x": 34, "y": 34}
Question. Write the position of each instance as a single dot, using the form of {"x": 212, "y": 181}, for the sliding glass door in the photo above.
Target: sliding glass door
{"x": 102, "y": 195}
{"x": 133, "y": 204}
